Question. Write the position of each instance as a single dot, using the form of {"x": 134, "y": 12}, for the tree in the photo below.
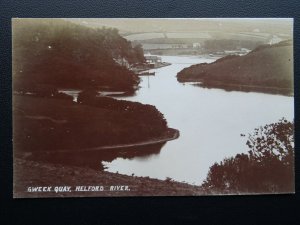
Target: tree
{"x": 268, "y": 167}
{"x": 139, "y": 52}
{"x": 273, "y": 141}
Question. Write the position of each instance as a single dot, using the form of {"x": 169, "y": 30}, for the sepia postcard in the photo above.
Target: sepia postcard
{"x": 152, "y": 107}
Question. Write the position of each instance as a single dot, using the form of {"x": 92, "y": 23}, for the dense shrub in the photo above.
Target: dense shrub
{"x": 268, "y": 167}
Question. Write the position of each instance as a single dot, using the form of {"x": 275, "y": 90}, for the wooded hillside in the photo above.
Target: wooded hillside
{"x": 268, "y": 66}
{"x": 66, "y": 55}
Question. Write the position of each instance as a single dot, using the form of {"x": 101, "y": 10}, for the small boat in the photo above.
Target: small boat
{"x": 147, "y": 73}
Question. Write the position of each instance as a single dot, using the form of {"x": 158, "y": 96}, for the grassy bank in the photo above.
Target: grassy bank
{"x": 34, "y": 174}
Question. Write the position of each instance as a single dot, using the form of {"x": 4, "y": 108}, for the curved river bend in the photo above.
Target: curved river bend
{"x": 210, "y": 122}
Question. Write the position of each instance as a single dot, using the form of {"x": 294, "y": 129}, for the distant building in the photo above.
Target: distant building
{"x": 241, "y": 51}
{"x": 180, "y": 46}
{"x": 274, "y": 40}
{"x": 147, "y": 46}
{"x": 196, "y": 45}
{"x": 152, "y": 59}
{"x": 245, "y": 50}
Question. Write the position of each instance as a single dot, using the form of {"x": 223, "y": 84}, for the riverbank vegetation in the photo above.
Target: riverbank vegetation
{"x": 67, "y": 55}
{"x": 267, "y": 68}
{"x": 267, "y": 168}
{"x": 55, "y": 124}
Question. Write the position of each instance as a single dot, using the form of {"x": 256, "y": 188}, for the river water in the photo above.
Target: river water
{"x": 210, "y": 122}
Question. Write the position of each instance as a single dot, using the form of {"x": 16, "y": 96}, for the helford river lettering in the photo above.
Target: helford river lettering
{"x": 89, "y": 188}
{"x": 102, "y": 188}
{"x": 119, "y": 188}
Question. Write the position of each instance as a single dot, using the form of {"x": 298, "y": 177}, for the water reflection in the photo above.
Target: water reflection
{"x": 75, "y": 92}
{"x": 98, "y": 158}
{"x": 244, "y": 88}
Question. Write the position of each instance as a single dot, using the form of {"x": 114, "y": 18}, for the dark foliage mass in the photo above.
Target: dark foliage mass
{"x": 267, "y": 168}
{"x": 66, "y": 55}
{"x": 267, "y": 66}
{"x": 52, "y": 124}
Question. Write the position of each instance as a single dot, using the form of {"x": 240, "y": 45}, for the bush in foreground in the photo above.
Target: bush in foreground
{"x": 267, "y": 168}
